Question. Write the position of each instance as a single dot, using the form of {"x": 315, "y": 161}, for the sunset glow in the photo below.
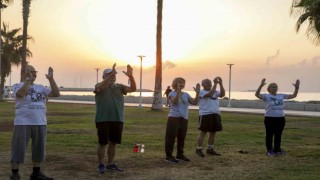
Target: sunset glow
{"x": 198, "y": 40}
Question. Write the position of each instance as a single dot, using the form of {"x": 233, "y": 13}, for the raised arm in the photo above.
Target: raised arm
{"x": 54, "y": 88}
{"x": 195, "y": 100}
{"x": 28, "y": 79}
{"x": 213, "y": 89}
{"x": 175, "y": 99}
{"x": 222, "y": 90}
{"x": 106, "y": 80}
{"x": 132, "y": 86}
{"x": 296, "y": 89}
{"x": 263, "y": 82}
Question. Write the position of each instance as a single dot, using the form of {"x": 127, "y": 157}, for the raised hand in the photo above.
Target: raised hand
{"x": 263, "y": 82}
{"x": 297, "y": 84}
{"x": 216, "y": 80}
{"x": 114, "y": 68}
{"x": 220, "y": 80}
{"x": 28, "y": 74}
{"x": 129, "y": 70}
{"x": 197, "y": 88}
{"x": 50, "y": 73}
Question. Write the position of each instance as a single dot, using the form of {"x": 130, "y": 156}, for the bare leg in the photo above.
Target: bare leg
{"x": 111, "y": 151}
{"x": 15, "y": 165}
{"x": 201, "y": 137}
{"x": 100, "y": 153}
{"x": 211, "y": 138}
{"x": 36, "y": 164}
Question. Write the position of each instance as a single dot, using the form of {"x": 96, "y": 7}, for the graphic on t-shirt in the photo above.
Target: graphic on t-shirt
{"x": 35, "y": 96}
{"x": 276, "y": 102}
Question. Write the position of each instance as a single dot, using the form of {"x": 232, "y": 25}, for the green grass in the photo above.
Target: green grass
{"x": 71, "y": 147}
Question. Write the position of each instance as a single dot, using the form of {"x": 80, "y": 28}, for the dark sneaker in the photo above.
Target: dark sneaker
{"x": 270, "y": 153}
{"x": 281, "y": 153}
{"x": 101, "y": 168}
{"x": 39, "y": 176}
{"x": 199, "y": 153}
{"x": 171, "y": 159}
{"x": 113, "y": 167}
{"x": 213, "y": 152}
{"x": 15, "y": 177}
{"x": 182, "y": 158}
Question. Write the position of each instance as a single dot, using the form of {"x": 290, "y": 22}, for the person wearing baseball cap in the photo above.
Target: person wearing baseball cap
{"x": 110, "y": 115}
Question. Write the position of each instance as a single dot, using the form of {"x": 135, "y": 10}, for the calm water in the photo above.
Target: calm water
{"x": 234, "y": 95}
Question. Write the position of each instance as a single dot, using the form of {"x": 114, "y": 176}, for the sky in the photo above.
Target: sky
{"x": 199, "y": 39}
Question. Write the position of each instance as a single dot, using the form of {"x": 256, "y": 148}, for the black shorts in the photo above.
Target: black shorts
{"x": 109, "y": 131}
{"x": 210, "y": 123}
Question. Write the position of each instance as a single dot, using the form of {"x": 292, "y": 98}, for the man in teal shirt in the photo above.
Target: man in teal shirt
{"x": 109, "y": 115}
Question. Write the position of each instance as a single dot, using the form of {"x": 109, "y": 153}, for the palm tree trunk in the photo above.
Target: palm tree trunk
{"x": 1, "y": 85}
{"x": 25, "y": 15}
{"x": 157, "y": 95}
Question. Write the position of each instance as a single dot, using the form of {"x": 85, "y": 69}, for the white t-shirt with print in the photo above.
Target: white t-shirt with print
{"x": 180, "y": 109}
{"x": 274, "y": 104}
{"x": 208, "y": 105}
{"x": 31, "y": 109}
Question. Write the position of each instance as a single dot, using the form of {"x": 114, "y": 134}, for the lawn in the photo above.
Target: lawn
{"x": 71, "y": 147}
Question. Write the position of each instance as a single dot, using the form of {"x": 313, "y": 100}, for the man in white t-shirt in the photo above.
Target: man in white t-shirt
{"x": 30, "y": 121}
{"x": 209, "y": 114}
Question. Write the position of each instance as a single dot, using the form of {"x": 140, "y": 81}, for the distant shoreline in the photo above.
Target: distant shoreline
{"x": 92, "y": 89}
{"x": 253, "y": 104}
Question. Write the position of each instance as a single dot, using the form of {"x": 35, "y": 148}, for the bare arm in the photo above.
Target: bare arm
{"x": 258, "y": 95}
{"x": 194, "y": 101}
{"x": 28, "y": 80}
{"x": 222, "y": 90}
{"x": 213, "y": 89}
{"x": 132, "y": 86}
{"x": 296, "y": 89}
{"x": 175, "y": 99}
{"x": 106, "y": 80}
{"x": 54, "y": 88}
{"x": 24, "y": 89}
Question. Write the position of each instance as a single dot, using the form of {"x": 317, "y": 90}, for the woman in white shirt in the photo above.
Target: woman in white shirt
{"x": 274, "y": 117}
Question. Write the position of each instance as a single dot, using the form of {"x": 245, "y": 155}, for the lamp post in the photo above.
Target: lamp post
{"x": 230, "y": 65}
{"x": 140, "y": 98}
{"x": 97, "y": 69}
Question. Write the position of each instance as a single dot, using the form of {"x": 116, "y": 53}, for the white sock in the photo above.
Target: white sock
{"x": 210, "y": 146}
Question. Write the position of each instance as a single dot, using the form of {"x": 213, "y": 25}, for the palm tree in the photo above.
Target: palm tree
{"x": 12, "y": 47}
{"x": 3, "y": 4}
{"x": 157, "y": 95}
{"x": 308, "y": 10}
{"x": 25, "y": 14}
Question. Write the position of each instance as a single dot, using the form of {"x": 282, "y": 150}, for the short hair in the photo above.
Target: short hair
{"x": 270, "y": 85}
{"x": 175, "y": 80}
{"x": 205, "y": 80}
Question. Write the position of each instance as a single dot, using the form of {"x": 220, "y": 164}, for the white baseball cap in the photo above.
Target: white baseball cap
{"x": 107, "y": 71}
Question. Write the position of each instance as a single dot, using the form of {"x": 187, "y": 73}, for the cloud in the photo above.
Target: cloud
{"x": 312, "y": 62}
{"x": 271, "y": 58}
{"x": 303, "y": 62}
{"x": 315, "y": 60}
{"x": 168, "y": 65}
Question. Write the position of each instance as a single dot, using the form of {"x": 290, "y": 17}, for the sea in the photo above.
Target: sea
{"x": 237, "y": 95}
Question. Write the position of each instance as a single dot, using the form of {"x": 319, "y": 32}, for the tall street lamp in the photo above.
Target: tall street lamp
{"x": 230, "y": 65}
{"x": 140, "y": 99}
{"x": 97, "y": 69}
